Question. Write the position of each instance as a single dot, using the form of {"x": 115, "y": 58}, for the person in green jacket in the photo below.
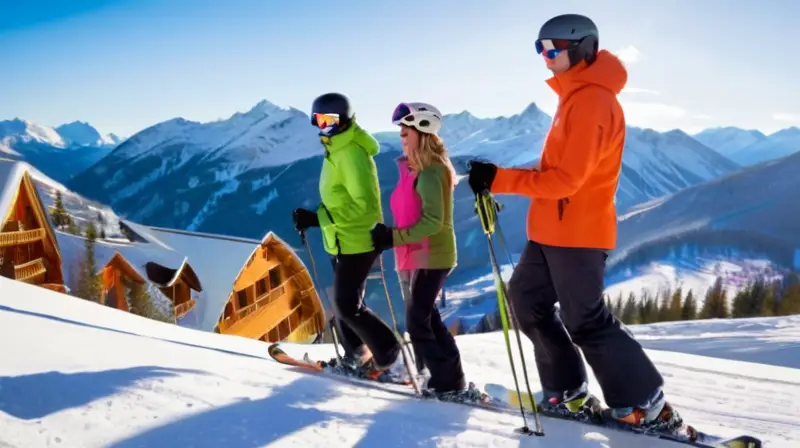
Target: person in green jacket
{"x": 424, "y": 242}
{"x": 350, "y": 208}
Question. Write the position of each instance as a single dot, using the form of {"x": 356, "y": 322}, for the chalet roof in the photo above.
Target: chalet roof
{"x": 217, "y": 261}
{"x": 136, "y": 254}
{"x": 12, "y": 173}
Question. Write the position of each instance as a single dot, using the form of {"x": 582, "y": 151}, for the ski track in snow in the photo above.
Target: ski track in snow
{"x": 75, "y": 373}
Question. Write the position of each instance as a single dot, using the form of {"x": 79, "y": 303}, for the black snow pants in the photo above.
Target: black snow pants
{"x": 573, "y": 277}
{"x": 358, "y": 325}
{"x": 434, "y": 346}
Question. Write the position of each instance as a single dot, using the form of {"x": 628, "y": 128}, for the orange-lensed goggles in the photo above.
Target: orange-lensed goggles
{"x": 326, "y": 120}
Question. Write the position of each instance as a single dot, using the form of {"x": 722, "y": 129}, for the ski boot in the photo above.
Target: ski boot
{"x": 657, "y": 417}
{"x": 469, "y": 395}
{"x": 577, "y": 404}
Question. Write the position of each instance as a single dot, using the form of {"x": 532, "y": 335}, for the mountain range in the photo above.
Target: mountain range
{"x": 750, "y": 147}
{"x": 59, "y": 152}
{"x": 244, "y": 175}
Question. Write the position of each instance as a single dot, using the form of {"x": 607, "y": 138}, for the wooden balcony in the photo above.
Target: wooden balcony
{"x": 185, "y": 307}
{"x": 30, "y": 272}
{"x": 9, "y": 239}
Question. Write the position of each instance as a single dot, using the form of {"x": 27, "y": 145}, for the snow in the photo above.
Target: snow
{"x": 266, "y": 135}
{"x": 26, "y": 132}
{"x": 697, "y": 274}
{"x": 112, "y": 378}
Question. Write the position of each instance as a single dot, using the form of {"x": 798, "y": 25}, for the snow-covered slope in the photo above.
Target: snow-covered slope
{"x": 728, "y": 140}
{"x": 749, "y": 147}
{"x": 61, "y": 152}
{"x": 755, "y": 210}
{"x": 775, "y": 146}
{"x": 115, "y": 379}
{"x": 657, "y": 164}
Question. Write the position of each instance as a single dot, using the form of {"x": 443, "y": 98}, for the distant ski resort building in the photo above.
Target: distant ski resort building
{"x": 254, "y": 289}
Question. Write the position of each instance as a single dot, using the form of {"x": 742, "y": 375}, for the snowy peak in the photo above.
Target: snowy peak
{"x": 749, "y": 147}
{"x": 729, "y": 139}
{"x": 79, "y": 133}
{"x": 24, "y": 131}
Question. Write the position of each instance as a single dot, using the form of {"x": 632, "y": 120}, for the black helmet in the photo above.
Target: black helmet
{"x": 333, "y": 103}
{"x": 576, "y": 28}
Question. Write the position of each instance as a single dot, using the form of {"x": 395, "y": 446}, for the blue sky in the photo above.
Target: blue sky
{"x": 123, "y": 65}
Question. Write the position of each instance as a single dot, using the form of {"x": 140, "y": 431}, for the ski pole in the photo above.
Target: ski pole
{"x": 489, "y": 222}
{"x": 515, "y": 321}
{"x": 406, "y": 360}
{"x": 325, "y": 295}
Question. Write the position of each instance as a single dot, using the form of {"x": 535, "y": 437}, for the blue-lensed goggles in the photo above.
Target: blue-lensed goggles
{"x": 553, "y": 47}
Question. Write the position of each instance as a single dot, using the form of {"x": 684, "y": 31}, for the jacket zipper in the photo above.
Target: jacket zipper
{"x": 561, "y": 203}
{"x": 330, "y": 217}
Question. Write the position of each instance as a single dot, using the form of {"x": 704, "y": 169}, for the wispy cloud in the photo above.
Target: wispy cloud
{"x": 661, "y": 116}
{"x": 786, "y": 117}
{"x": 629, "y": 54}
{"x": 640, "y": 90}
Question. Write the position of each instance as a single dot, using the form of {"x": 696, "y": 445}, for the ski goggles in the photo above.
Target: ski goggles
{"x": 326, "y": 120}
{"x": 403, "y": 112}
{"x": 553, "y": 47}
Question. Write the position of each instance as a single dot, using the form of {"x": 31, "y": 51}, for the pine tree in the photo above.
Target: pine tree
{"x": 790, "y": 298}
{"x": 664, "y": 304}
{"x": 741, "y": 302}
{"x": 630, "y": 310}
{"x": 648, "y": 309}
{"x": 141, "y": 303}
{"x": 675, "y": 305}
{"x": 89, "y": 284}
{"x": 770, "y": 305}
{"x": 716, "y": 303}
{"x": 102, "y": 222}
{"x": 59, "y": 214}
{"x": 689, "y": 309}
{"x": 618, "y": 304}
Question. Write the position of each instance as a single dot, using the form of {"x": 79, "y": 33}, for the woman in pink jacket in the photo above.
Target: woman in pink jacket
{"x": 425, "y": 243}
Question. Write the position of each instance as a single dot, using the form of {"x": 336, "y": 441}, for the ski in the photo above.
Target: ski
{"x": 495, "y": 398}
{"x": 510, "y": 398}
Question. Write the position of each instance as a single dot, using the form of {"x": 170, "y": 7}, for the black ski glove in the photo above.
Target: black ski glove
{"x": 304, "y": 219}
{"x": 481, "y": 176}
{"x": 382, "y": 237}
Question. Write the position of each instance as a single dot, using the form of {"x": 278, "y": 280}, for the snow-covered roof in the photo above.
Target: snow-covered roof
{"x": 217, "y": 261}
{"x": 137, "y": 254}
{"x": 12, "y": 172}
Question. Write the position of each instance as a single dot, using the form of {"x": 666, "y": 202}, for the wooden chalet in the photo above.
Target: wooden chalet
{"x": 28, "y": 247}
{"x": 116, "y": 275}
{"x": 273, "y": 297}
{"x": 176, "y": 284}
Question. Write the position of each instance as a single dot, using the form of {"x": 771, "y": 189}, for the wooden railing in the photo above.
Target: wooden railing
{"x": 8, "y": 239}
{"x": 185, "y": 307}
{"x": 262, "y": 301}
{"x": 28, "y": 272}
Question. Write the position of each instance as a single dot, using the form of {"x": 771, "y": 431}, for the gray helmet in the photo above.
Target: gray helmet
{"x": 576, "y": 28}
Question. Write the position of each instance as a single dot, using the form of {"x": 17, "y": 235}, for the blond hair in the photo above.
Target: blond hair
{"x": 431, "y": 150}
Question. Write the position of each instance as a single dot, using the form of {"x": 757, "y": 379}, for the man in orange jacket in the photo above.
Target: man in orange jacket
{"x": 572, "y": 224}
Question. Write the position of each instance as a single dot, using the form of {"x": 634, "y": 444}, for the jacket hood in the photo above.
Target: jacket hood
{"x": 354, "y": 134}
{"x": 607, "y": 71}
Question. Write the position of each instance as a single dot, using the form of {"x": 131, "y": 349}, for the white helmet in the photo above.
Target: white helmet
{"x": 422, "y": 116}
